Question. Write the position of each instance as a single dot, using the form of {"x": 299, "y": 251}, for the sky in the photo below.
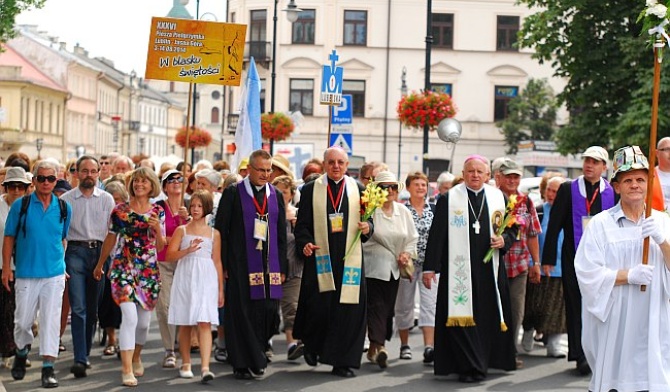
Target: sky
{"x": 115, "y": 29}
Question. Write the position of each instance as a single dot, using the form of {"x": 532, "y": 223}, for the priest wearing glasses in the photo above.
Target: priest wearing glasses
{"x": 473, "y": 303}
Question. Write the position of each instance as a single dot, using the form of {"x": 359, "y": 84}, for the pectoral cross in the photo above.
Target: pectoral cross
{"x": 476, "y": 226}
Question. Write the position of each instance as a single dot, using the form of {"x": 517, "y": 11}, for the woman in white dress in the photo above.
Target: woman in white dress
{"x": 198, "y": 282}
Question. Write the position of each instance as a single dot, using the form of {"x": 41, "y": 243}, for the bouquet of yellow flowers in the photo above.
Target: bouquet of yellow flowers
{"x": 509, "y": 220}
{"x": 373, "y": 198}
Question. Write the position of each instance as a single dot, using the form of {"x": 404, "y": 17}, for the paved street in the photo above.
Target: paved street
{"x": 539, "y": 374}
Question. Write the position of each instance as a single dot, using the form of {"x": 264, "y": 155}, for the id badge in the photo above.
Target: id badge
{"x": 260, "y": 229}
{"x": 336, "y": 222}
{"x": 585, "y": 222}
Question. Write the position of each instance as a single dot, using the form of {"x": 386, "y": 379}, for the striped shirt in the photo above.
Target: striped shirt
{"x": 90, "y": 215}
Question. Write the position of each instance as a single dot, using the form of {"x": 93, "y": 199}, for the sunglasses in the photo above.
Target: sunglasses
{"x": 16, "y": 185}
{"x": 41, "y": 179}
{"x": 73, "y": 169}
{"x": 389, "y": 186}
{"x": 104, "y": 163}
{"x": 175, "y": 180}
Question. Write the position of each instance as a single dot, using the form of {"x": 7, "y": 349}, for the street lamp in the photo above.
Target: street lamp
{"x": 38, "y": 146}
{"x": 427, "y": 86}
{"x": 292, "y": 12}
{"x": 403, "y": 92}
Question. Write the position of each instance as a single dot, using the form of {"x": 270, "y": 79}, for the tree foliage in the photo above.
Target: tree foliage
{"x": 596, "y": 45}
{"x": 531, "y": 115}
{"x": 9, "y": 9}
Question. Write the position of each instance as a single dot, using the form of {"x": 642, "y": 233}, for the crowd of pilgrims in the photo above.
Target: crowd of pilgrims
{"x": 201, "y": 229}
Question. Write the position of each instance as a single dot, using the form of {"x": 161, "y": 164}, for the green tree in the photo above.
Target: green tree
{"x": 9, "y": 9}
{"x": 596, "y": 45}
{"x": 531, "y": 115}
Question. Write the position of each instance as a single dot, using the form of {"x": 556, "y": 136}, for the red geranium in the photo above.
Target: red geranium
{"x": 425, "y": 108}
{"x": 198, "y": 137}
{"x": 276, "y": 126}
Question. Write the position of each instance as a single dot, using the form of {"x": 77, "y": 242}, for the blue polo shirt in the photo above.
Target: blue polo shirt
{"x": 40, "y": 253}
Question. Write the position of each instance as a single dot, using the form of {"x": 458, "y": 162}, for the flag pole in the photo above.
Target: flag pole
{"x": 188, "y": 138}
{"x": 658, "y": 47}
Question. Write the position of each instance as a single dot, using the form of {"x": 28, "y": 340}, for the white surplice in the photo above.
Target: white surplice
{"x": 625, "y": 332}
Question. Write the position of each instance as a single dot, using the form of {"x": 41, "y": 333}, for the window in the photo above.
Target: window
{"x": 503, "y": 94}
{"x": 357, "y": 90}
{"x": 303, "y": 28}
{"x": 302, "y": 96}
{"x": 355, "y": 27}
{"x": 214, "y": 118}
{"x": 443, "y": 31}
{"x": 508, "y": 27}
{"x": 258, "y": 34}
{"x": 442, "y": 88}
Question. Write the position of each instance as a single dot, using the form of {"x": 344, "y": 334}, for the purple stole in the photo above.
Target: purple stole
{"x": 579, "y": 206}
{"x": 255, "y": 256}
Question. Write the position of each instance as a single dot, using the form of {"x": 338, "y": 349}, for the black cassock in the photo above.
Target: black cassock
{"x": 333, "y": 331}
{"x": 464, "y": 350}
{"x": 249, "y": 324}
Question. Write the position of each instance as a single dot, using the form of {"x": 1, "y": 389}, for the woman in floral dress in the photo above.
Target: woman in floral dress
{"x": 134, "y": 274}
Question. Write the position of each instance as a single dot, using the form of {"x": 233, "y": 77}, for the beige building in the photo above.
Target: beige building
{"x": 472, "y": 57}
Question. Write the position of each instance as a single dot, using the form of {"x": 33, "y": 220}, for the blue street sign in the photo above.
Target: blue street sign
{"x": 331, "y": 82}
{"x": 343, "y": 140}
{"x": 343, "y": 114}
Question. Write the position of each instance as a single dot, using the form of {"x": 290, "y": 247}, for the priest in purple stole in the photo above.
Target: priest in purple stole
{"x": 576, "y": 202}
{"x": 251, "y": 220}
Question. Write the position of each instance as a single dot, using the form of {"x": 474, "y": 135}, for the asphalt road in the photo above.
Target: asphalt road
{"x": 539, "y": 374}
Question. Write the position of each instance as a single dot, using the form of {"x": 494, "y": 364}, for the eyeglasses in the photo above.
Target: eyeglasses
{"x": 41, "y": 178}
{"x": 175, "y": 180}
{"x": 16, "y": 185}
{"x": 89, "y": 172}
{"x": 266, "y": 171}
{"x": 104, "y": 163}
{"x": 389, "y": 186}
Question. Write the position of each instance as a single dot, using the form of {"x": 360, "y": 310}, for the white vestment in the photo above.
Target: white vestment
{"x": 625, "y": 332}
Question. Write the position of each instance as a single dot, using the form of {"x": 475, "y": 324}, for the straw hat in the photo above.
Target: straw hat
{"x": 282, "y": 163}
{"x": 387, "y": 177}
{"x": 16, "y": 174}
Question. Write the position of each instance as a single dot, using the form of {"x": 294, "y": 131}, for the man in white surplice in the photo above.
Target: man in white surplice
{"x": 626, "y": 331}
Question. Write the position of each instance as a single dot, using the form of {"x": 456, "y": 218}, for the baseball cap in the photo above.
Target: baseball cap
{"x": 510, "y": 167}
{"x": 167, "y": 175}
{"x": 62, "y": 186}
{"x": 596, "y": 152}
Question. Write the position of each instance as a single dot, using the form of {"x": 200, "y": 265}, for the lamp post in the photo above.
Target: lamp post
{"x": 426, "y": 86}
{"x": 131, "y": 124}
{"x": 38, "y": 146}
{"x": 403, "y": 92}
{"x": 292, "y": 12}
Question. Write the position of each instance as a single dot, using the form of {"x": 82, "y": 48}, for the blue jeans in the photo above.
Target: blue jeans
{"x": 84, "y": 293}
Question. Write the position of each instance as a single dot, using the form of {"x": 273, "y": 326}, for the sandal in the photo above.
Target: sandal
{"x": 138, "y": 369}
{"x": 128, "y": 380}
{"x": 170, "y": 360}
{"x": 110, "y": 350}
{"x": 61, "y": 346}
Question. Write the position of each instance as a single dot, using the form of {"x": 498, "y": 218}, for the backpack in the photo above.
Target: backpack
{"x": 24, "y": 211}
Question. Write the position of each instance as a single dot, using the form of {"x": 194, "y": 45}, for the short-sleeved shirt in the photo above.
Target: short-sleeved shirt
{"x": 518, "y": 256}
{"x": 40, "y": 253}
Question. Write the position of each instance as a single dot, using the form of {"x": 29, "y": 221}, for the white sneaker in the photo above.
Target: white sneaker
{"x": 527, "y": 340}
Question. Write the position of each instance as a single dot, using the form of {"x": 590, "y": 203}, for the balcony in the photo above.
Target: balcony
{"x": 260, "y": 50}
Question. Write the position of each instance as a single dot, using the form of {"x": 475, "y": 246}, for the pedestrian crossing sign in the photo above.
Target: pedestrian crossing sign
{"x": 342, "y": 140}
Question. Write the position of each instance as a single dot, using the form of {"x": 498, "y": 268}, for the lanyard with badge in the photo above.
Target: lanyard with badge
{"x": 337, "y": 218}
{"x": 261, "y": 221}
{"x": 586, "y": 219}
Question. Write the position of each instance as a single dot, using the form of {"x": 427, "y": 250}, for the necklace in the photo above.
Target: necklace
{"x": 476, "y": 225}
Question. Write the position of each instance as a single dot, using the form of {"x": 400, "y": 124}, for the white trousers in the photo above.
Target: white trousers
{"x": 45, "y": 295}
{"x": 404, "y": 304}
{"x": 134, "y": 327}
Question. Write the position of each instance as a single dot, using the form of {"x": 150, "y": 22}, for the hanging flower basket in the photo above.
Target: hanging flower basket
{"x": 425, "y": 108}
{"x": 198, "y": 138}
{"x": 276, "y": 126}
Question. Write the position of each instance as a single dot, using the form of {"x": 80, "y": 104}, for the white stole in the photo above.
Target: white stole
{"x": 351, "y": 275}
{"x": 460, "y": 274}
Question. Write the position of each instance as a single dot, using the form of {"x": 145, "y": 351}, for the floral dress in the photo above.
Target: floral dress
{"x": 134, "y": 273}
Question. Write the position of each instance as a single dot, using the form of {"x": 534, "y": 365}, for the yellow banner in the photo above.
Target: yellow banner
{"x": 194, "y": 51}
